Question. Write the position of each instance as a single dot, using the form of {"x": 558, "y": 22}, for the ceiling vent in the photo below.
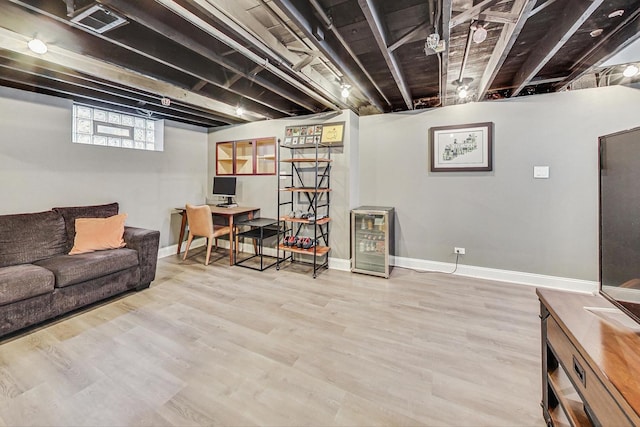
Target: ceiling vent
{"x": 98, "y": 19}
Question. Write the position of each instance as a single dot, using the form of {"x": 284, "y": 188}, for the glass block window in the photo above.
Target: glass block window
{"x": 95, "y": 126}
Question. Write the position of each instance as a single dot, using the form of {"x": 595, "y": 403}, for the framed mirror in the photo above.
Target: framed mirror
{"x": 620, "y": 220}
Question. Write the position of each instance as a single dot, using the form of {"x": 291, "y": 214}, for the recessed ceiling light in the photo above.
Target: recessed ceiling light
{"x": 239, "y": 111}
{"x": 37, "y": 46}
{"x": 630, "y": 71}
{"x": 616, "y": 13}
{"x": 596, "y": 33}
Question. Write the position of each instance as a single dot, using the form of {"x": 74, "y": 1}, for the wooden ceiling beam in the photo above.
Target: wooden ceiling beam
{"x": 133, "y": 48}
{"x": 375, "y": 23}
{"x": 471, "y": 13}
{"x": 542, "y": 7}
{"x": 135, "y": 11}
{"x": 333, "y": 47}
{"x": 576, "y": 12}
{"x": 508, "y": 36}
{"x": 17, "y": 43}
{"x": 418, "y": 32}
{"x": 278, "y": 67}
{"x": 82, "y": 90}
{"x": 499, "y": 17}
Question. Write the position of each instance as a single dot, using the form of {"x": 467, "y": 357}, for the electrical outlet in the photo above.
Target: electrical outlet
{"x": 459, "y": 251}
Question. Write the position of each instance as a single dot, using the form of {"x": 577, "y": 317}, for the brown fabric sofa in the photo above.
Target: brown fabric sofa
{"x": 39, "y": 281}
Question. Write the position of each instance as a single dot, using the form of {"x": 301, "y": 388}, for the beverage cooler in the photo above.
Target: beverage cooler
{"x": 372, "y": 242}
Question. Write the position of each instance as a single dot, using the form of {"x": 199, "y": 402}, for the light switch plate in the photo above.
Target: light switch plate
{"x": 541, "y": 172}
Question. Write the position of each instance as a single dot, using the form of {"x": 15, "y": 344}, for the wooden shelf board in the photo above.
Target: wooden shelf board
{"x": 568, "y": 398}
{"x": 320, "y": 250}
{"x": 306, "y": 190}
{"x": 305, "y": 160}
{"x": 306, "y": 221}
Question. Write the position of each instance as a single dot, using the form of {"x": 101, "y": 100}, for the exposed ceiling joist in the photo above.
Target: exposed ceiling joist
{"x": 146, "y": 47}
{"x": 627, "y": 32}
{"x": 103, "y": 70}
{"x": 418, "y": 32}
{"x": 508, "y": 36}
{"x": 575, "y": 13}
{"x": 542, "y": 7}
{"x": 317, "y": 7}
{"x": 135, "y": 11}
{"x": 378, "y": 31}
{"x": 302, "y": 20}
{"x": 471, "y": 13}
{"x": 88, "y": 87}
{"x": 240, "y": 48}
{"x": 498, "y": 17}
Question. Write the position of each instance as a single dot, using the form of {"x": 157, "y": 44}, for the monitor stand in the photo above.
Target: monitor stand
{"x": 229, "y": 203}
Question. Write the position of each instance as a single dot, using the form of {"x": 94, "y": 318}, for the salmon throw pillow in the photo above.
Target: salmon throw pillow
{"x": 96, "y": 234}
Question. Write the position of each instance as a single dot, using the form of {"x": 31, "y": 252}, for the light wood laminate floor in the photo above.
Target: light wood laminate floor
{"x": 222, "y": 345}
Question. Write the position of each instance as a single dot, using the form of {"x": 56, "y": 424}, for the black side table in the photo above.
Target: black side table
{"x": 259, "y": 229}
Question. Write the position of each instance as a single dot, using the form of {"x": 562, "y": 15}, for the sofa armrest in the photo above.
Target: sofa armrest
{"x": 146, "y": 242}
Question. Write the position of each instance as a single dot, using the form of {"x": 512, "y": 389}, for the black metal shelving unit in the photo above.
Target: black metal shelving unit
{"x": 304, "y": 187}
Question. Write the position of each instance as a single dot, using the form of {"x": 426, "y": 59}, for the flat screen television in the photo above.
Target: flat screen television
{"x": 620, "y": 220}
{"x": 225, "y": 186}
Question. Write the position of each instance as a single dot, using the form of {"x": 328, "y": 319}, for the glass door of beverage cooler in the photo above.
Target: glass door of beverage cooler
{"x": 371, "y": 240}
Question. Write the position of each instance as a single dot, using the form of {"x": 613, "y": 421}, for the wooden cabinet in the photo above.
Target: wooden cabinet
{"x": 224, "y": 158}
{"x": 247, "y": 157}
{"x": 590, "y": 361}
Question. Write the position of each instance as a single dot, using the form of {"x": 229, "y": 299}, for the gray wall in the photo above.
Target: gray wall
{"x": 505, "y": 219}
{"x": 261, "y": 191}
{"x": 41, "y": 168}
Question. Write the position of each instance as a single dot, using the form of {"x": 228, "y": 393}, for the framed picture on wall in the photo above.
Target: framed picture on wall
{"x": 461, "y": 148}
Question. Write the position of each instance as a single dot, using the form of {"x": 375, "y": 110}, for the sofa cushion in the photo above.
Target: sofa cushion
{"x": 72, "y": 269}
{"x": 25, "y": 238}
{"x": 71, "y": 213}
{"x": 20, "y": 282}
{"x": 97, "y": 234}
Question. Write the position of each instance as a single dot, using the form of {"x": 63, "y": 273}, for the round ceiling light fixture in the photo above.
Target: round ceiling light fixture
{"x": 616, "y": 13}
{"x": 630, "y": 71}
{"x": 597, "y": 32}
{"x": 479, "y": 33}
{"x": 37, "y": 46}
{"x": 239, "y": 111}
{"x": 346, "y": 90}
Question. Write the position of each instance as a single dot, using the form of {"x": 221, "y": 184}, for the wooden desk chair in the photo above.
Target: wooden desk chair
{"x": 201, "y": 224}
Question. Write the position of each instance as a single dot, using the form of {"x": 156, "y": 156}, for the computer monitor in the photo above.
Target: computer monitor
{"x": 225, "y": 186}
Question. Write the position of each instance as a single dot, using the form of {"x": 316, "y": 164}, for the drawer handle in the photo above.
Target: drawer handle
{"x": 579, "y": 370}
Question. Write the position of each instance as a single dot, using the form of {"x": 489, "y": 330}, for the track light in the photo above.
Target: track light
{"x": 37, "y": 46}
{"x": 462, "y": 87}
{"x": 630, "y": 71}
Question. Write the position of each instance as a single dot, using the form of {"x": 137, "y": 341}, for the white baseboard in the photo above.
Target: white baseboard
{"x": 339, "y": 264}
{"x": 173, "y": 249}
{"x": 517, "y": 277}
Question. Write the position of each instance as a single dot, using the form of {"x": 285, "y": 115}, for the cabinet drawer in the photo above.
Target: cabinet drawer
{"x": 586, "y": 383}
